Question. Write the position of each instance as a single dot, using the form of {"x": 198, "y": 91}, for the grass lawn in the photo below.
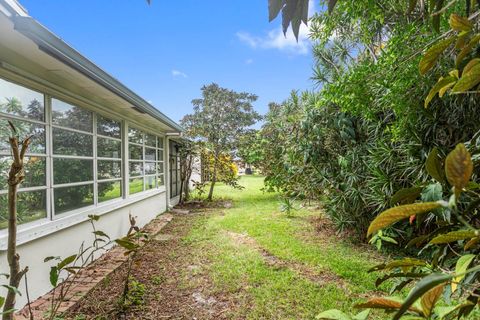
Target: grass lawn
{"x": 284, "y": 289}
{"x": 241, "y": 260}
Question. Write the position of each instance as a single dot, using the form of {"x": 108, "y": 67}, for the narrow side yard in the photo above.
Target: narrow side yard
{"x": 246, "y": 260}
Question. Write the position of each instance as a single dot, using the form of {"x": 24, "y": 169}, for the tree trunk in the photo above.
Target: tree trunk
{"x": 15, "y": 177}
{"x": 214, "y": 178}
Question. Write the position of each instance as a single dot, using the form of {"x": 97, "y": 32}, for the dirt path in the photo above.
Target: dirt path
{"x": 165, "y": 285}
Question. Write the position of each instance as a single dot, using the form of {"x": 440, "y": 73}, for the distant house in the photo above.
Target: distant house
{"x": 98, "y": 147}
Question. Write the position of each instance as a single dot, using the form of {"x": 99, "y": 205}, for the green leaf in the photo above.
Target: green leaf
{"x": 12, "y": 288}
{"x": 274, "y": 7}
{"x": 453, "y": 236}
{"x": 432, "y": 55}
{"x": 405, "y": 262}
{"x": 362, "y": 315}
{"x": 2, "y": 301}
{"x": 396, "y": 214}
{"x": 459, "y": 23}
{"x": 66, "y": 261}
{"x": 434, "y": 166}
{"x": 459, "y": 168}
{"x": 93, "y": 217}
{"x": 50, "y": 258}
{"x": 468, "y": 80}
{"x": 101, "y": 234}
{"x": 422, "y": 287}
{"x": 126, "y": 243}
{"x": 467, "y": 49}
{"x": 442, "y": 312}
{"x": 462, "y": 265}
{"x": 53, "y": 276}
{"x": 333, "y": 314}
{"x": 441, "y": 84}
{"x": 472, "y": 63}
{"x": 405, "y": 196}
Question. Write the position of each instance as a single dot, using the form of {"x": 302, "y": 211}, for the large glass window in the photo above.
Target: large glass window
{"x": 145, "y": 164}
{"x": 73, "y": 161}
{"x": 109, "y": 159}
{"x": 25, "y": 109}
{"x": 81, "y": 150}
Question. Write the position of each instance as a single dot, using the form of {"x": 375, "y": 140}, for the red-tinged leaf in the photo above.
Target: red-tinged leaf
{"x": 430, "y": 298}
{"x": 433, "y": 54}
{"x": 459, "y": 168}
{"x": 385, "y": 304}
{"x": 453, "y": 236}
{"x": 471, "y": 243}
{"x": 459, "y": 23}
{"x": 412, "y": 219}
{"x": 396, "y": 214}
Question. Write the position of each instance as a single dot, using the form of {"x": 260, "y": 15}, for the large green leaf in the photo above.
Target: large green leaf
{"x": 406, "y": 195}
{"x": 274, "y": 7}
{"x": 333, "y": 314}
{"x": 53, "y": 276}
{"x": 459, "y": 168}
{"x": 66, "y": 261}
{"x": 468, "y": 80}
{"x": 441, "y": 84}
{"x": 422, "y": 287}
{"x": 432, "y": 55}
{"x": 461, "y": 266}
{"x": 453, "y": 236}
{"x": 396, "y": 214}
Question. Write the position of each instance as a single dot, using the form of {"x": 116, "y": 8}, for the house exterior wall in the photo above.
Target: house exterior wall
{"x": 67, "y": 241}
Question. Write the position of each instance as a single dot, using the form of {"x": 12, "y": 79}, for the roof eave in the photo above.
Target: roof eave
{"x": 57, "y": 48}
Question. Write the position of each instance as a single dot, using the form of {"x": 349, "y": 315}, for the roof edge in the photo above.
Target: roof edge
{"x": 58, "y": 49}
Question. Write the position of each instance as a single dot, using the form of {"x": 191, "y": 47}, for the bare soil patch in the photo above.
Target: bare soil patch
{"x": 173, "y": 288}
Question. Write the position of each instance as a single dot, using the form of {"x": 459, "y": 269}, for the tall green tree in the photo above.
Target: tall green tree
{"x": 219, "y": 119}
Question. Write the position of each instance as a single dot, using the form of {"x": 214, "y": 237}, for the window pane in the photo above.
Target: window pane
{"x": 30, "y": 206}
{"x": 160, "y": 155}
{"x": 34, "y": 172}
{"x": 20, "y": 101}
{"x": 109, "y": 169}
{"x": 150, "y": 140}
{"x": 150, "y": 154}
{"x": 107, "y": 148}
{"x": 109, "y": 190}
{"x": 72, "y": 170}
{"x": 66, "y": 115}
{"x": 160, "y": 180}
{"x": 136, "y": 152}
{"x": 72, "y": 143}
{"x": 107, "y": 127}
{"x": 150, "y": 182}
{"x": 71, "y": 198}
{"x": 160, "y": 167}
{"x": 160, "y": 143}
{"x": 24, "y": 129}
{"x": 135, "y": 135}
{"x": 150, "y": 168}
{"x": 135, "y": 186}
{"x": 136, "y": 169}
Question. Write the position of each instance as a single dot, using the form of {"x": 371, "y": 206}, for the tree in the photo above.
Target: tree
{"x": 220, "y": 118}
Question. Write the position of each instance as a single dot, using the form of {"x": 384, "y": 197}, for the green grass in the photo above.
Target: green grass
{"x": 267, "y": 291}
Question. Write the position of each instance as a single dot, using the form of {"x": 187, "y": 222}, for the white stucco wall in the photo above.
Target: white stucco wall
{"x": 67, "y": 241}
